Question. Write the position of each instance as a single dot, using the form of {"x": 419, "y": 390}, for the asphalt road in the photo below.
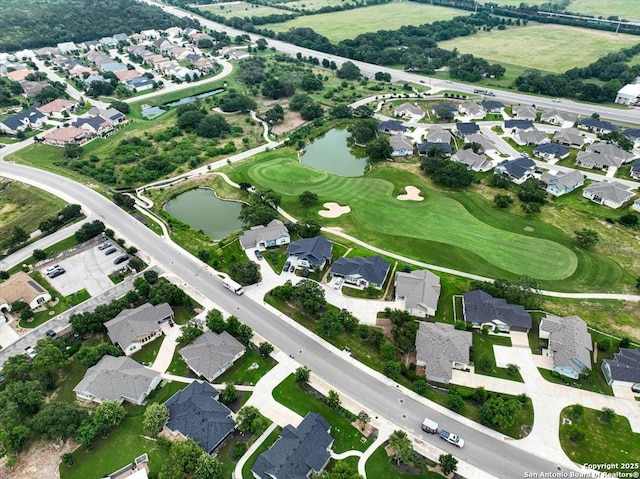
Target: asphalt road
{"x": 494, "y": 456}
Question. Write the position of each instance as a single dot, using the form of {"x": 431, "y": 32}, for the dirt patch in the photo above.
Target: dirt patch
{"x": 40, "y": 460}
{"x": 385, "y": 324}
{"x": 292, "y": 121}
{"x": 334, "y": 210}
{"x": 412, "y": 194}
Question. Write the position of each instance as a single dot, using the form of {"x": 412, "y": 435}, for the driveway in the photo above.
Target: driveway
{"x": 7, "y": 335}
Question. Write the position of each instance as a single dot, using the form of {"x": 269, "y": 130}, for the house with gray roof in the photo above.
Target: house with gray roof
{"x": 67, "y": 47}
{"x": 462, "y": 130}
{"x": 471, "y": 110}
{"x": 311, "y": 252}
{"x": 590, "y": 159}
{"x": 113, "y": 67}
{"x": 139, "y": 84}
{"x": 485, "y": 143}
{"x": 392, "y": 127}
{"x": 263, "y": 237}
{"x": 518, "y": 170}
{"x": 108, "y": 42}
{"x": 613, "y": 194}
{"x": 437, "y": 134}
{"x": 400, "y": 145}
{"x": 361, "y": 272}
{"x": 91, "y": 78}
{"x": 195, "y": 413}
{"x": 480, "y": 308}
{"x": 524, "y": 112}
{"x": 299, "y": 452}
{"x": 562, "y": 182}
{"x": 623, "y": 369}
{"x": 635, "y": 170}
{"x": 425, "y": 147}
{"x": 211, "y": 354}
{"x": 634, "y": 135}
{"x": 617, "y": 154}
{"x": 551, "y": 151}
{"x": 33, "y": 88}
{"x": 471, "y": 160}
{"x": 530, "y": 137}
{"x": 117, "y": 379}
{"x": 596, "y": 125}
{"x": 440, "y": 348}
{"x": 569, "y": 344}
{"x": 133, "y": 328}
{"x": 515, "y": 125}
{"x": 420, "y": 290}
{"x": 407, "y": 110}
{"x": 492, "y": 106}
{"x": 559, "y": 118}
{"x": 570, "y": 137}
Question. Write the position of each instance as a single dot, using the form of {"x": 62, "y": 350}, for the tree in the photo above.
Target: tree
{"x": 512, "y": 369}
{"x": 348, "y": 71}
{"x": 586, "y": 237}
{"x": 455, "y": 402}
{"x": 165, "y": 292}
{"x": 89, "y": 230}
{"x": 121, "y": 106}
{"x": 57, "y": 420}
{"x": 604, "y": 344}
{"x": 68, "y": 459}
{"x": 625, "y": 342}
{"x": 421, "y": 386}
{"x": 401, "y": 446}
{"x": 363, "y": 419}
{"x": 379, "y": 149}
{"x": 307, "y": 198}
{"x": 382, "y": 76}
{"x": 90, "y": 355}
{"x": 577, "y": 411}
{"x": 479, "y": 395}
{"x": 392, "y": 369}
{"x": 308, "y": 228}
{"x": 85, "y": 435}
{"x": 629, "y": 220}
{"x": 39, "y": 255}
{"x": 500, "y": 412}
{"x": 447, "y": 172}
{"x": 124, "y": 201}
{"x": 250, "y": 419}
{"x": 502, "y": 201}
{"x": 302, "y": 375}
{"x": 311, "y": 111}
{"x": 189, "y": 332}
{"x": 333, "y": 399}
{"x": 387, "y": 350}
{"x": 258, "y": 214}
{"x": 72, "y": 151}
{"x": 213, "y": 126}
{"x": 27, "y": 396}
{"x": 155, "y": 417}
{"x": 274, "y": 115}
{"x": 607, "y": 414}
{"x": 341, "y": 110}
{"x": 215, "y": 321}
{"x": 229, "y": 394}
{"x": 245, "y": 272}
{"x": 107, "y": 414}
{"x": 340, "y": 470}
{"x": 208, "y": 467}
{"x": 150, "y": 276}
{"x": 182, "y": 461}
{"x": 448, "y": 464}
{"x": 265, "y": 349}
{"x": 309, "y": 295}
{"x": 4, "y": 274}
{"x": 275, "y": 88}
{"x": 403, "y": 330}
{"x": 577, "y": 435}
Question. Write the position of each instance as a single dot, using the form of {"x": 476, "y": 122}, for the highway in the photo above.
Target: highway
{"x": 499, "y": 458}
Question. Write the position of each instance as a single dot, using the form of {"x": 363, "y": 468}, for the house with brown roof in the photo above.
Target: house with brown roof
{"x": 58, "y": 107}
{"x": 66, "y": 135}
{"x": 124, "y": 75}
{"x": 19, "y": 75}
{"x": 21, "y": 287}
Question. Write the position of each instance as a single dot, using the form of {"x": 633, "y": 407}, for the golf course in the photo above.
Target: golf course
{"x": 454, "y": 229}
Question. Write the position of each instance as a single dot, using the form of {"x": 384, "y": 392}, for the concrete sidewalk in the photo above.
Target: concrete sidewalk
{"x": 237, "y": 472}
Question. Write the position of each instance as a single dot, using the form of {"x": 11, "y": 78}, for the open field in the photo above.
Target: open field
{"x": 312, "y": 5}
{"x": 350, "y": 23}
{"x": 530, "y": 46}
{"x": 625, "y": 9}
{"x": 241, "y": 9}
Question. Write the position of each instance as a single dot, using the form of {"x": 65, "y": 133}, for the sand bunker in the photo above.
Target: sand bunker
{"x": 413, "y": 194}
{"x": 333, "y": 210}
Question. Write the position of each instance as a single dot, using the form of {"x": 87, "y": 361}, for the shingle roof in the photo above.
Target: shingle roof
{"x": 196, "y": 413}
{"x": 56, "y": 105}
{"x": 437, "y": 135}
{"x": 471, "y": 160}
{"x": 420, "y": 288}
{"x": 131, "y": 323}
{"x": 391, "y": 126}
{"x": 467, "y": 128}
{"x": 518, "y": 167}
{"x": 480, "y": 307}
{"x": 481, "y": 140}
{"x": 532, "y": 137}
{"x": 519, "y": 124}
{"x": 438, "y": 345}
{"x": 598, "y": 124}
{"x": 569, "y": 135}
{"x": 562, "y": 180}
{"x": 315, "y": 250}
{"x": 471, "y": 107}
{"x": 409, "y": 108}
{"x": 553, "y": 113}
{"x": 16, "y": 121}
{"x": 95, "y": 122}
{"x": 632, "y": 133}
{"x": 569, "y": 340}
{"x": 551, "y": 149}
{"x": 373, "y": 268}
{"x": 18, "y": 287}
{"x": 625, "y": 365}
{"x": 611, "y": 150}
{"x": 524, "y": 112}
{"x": 423, "y": 148}
{"x": 65, "y": 134}
{"x": 115, "y": 379}
{"x": 445, "y": 106}
{"x": 400, "y": 142}
{"x": 274, "y": 230}
{"x": 614, "y": 192}
{"x": 489, "y": 105}
{"x": 211, "y": 353}
{"x": 298, "y": 451}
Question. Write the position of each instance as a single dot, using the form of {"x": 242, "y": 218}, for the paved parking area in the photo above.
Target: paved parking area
{"x": 89, "y": 270}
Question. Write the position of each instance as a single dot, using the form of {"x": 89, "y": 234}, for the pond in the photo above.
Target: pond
{"x": 332, "y": 154}
{"x": 201, "y": 209}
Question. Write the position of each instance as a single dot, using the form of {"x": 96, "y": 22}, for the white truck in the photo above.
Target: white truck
{"x": 429, "y": 426}
{"x": 451, "y": 438}
{"x": 231, "y": 285}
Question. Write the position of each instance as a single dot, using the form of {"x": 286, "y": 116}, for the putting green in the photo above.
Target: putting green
{"x": 439, "y": 218}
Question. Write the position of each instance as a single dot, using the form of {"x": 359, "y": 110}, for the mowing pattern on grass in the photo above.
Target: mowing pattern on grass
{"x": 440, "y": 218}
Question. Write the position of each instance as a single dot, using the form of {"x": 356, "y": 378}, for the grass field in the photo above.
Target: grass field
{"x": 379, "y": 466}
{"x": 313, "y": 5}
{"x": 625, "y": 9}
{"x": 241, "y": 9}
{"x": 350, "y": 23}
{"x": 530, "y": 46}
{"x": 445, "y": 222}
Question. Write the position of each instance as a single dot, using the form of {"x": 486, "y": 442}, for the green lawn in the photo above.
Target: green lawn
{"x": 483, "y": 345}
{"x": 623, "y": 9}
{"x": 182, "y": 315}
{"x": 350, "y": 23}
{"x": 72, "y": 375}
{"x": 379, "y": 466}
{"x": 178, "y": 367}
{"x": 346, "y": 437}
{"x": 77, "y": 297}
{"x": 241, "y": 372}
{"x": 604, "y": 443}
{"x": 241, "y": 9}
{"x": 593, "y": 382}
{"x": 268, "y": 442}
{"x": 147, "y": 355}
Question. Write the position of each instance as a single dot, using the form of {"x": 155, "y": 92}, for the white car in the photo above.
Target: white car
{"x": 29, "y": 351}
{"x": 556, "y": 100}
{"x": 337, "y": 283}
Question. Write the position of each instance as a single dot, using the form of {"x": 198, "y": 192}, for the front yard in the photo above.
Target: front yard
{"x": 484, "y": 358}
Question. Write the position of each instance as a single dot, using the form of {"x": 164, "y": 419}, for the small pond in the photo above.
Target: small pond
{"x": 332, "y": 154}
{"x": 201, "y": 209}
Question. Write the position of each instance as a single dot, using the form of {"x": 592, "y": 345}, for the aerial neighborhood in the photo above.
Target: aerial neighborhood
{"x": 273, "y": 240}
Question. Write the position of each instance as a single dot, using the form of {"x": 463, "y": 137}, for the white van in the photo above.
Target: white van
{"x": 429, "y": 426}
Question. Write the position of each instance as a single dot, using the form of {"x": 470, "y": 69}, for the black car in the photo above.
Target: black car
{"x": 171, "y": 323}
{"x": 51, "y": 333}
{"x": 120, "y": 259}
{"x": 56, "y": 272}
{"x": 286, "y": 267}
{"x": 258, "y": 254}
{"x": 110, "y": 251}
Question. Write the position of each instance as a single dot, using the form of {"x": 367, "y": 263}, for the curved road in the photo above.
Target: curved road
{"x": 486, "y": 452}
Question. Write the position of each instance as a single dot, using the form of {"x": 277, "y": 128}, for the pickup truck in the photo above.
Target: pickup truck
{"x": 451, "y": 438}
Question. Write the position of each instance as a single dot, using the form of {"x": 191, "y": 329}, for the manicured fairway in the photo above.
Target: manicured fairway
{"x": 350, "y": 23}
{"x": 439, "y": 219}
{"x": 554, "y": 48}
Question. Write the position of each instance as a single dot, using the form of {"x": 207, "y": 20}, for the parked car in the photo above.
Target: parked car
{"x": 286, "y": 267}
{"x": 110, "y": 251}
{"x": 258, "y": 254}
{"x": 451, "y": 438}
{"x": 51, "y": 333}
{"x": 556, "y": 100}
{"x": 51, "y": 269}
{"x": 57, "y": 272}
{"x": 337, "y": 283}
{"x": 104, "y": 245}
{"x": 171, "y": 323}
{"x": 121, "y": 259}
{"x": 29, "y": 351}
{"x": 292, "y": 268}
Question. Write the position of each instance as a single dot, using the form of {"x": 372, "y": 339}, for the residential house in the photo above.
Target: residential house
{"x": 462, "y": 130}
{"x": 611, "y": 150}
{"x": 79, "y": 70}
{"x": 530, "y": 137}
{"x": 635, "y": 170}
{"x": 562, "y": 183}
{"x": 114, "y": 116}
{"x": 392, "y": 127}
{"x": 24, "y": 54}
{"x": 602, "y": 156}
{"x": 613, "y": 194}
{"x": 401, "y": 146}
{"x": 634, "y": 135}
{"x": 492, "y": 106}
{"x": 437, "y": 134}
{"x": 94, "y": 125}
{"x": 65, "y": 135}
{"x": 624, "y": 369}
{"x": 21, "y": 287}
{"x": 361, "y": 272}
{"x": 200, "y": 62}
{"x": 108, "y": 42}
{"x": 486, "y": 145}
{"x": 518, "y": 170}
{"x": 524, "y": 112}
{"x": 138, "y": 469}
{"x": 518, "y": 125}
{"x": 299, "y": 452}
{"x": 453, "y": 109}
{"x": 179, "y": 52}
{"x": 440, "y": 348}
{"x": 199, "y": 36}
{"x": 471, "y": 110}
{"x": 136, "y": 38}
{"x": 174, "y": 32}
{"x": 570, "y": 137}
{"x": 150, "y": 34}
{"x": 551, "y": 151}
{"x": 67, "y": 47}
{"x": 480, "y": 308}
{"x": 569, "y": 344}
{"x": 234, "y": 53}
{"x": 133, "y": 328}
{"x": 195, "y": 413}
{"x": 311, "y": 252}
{"x": 33, "y": 88}
{"x": 407, "y": 110}
{"x": 557, "y": 117}
{"x": 139, "y": 83}
{"x": 117, "y": 379}
{"x": 57, "y": 108}
{"x": 113, "y": 67}
{"x": 636, "y": 205}
{"x": 19, "y": 75}
{"x": 597, "y": 126}
{"x": 473, "y": 161}
{"x": 98, "y": 57}
{"x": 629, "y": 94}
{"x": 163, "y": 44}
{"x": 124, "y": 75}
{"x": 120, "y": 37}
{"x": 423, "y": 148}
{"x": 46, "y": 52}
{"x": 31, "y": 118}
{"x": 91, "y": 78}
{"x": 263, "y": 237}
{"x": 90, "y": 45}
{"x": 211, "y": 354}
{"x": 420, "y": 290}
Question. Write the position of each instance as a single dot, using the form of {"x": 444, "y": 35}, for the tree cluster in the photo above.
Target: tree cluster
{"x": 216, "y": 323}
{"x": 66, "y": 215}
{"x": 523, "y": 292}
{"x": 307, "y": 295}
{"x": 193, "y": 119}
{"x": 89, "y": 230}
{"x": 309, "y": 109}
{"x": 261, "y": 208}
{"x": 446, "y": 172}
